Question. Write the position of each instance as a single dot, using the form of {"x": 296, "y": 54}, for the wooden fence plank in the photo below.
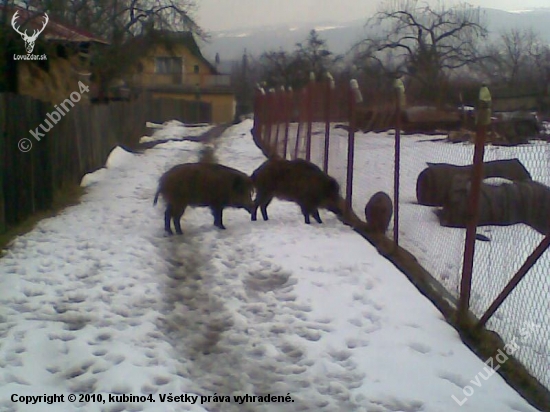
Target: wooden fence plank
{"x": 77, "y": 144}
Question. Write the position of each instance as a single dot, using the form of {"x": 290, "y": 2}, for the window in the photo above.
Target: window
{"x": 196, "y": 69}
{"x": 168, "y": 65}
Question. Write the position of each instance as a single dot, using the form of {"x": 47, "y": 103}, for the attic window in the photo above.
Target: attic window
{"x": 168, "y": 65}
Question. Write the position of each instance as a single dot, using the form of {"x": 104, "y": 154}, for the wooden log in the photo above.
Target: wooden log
{"x": 506, "y": 204}
{"x": 433, "y": 182}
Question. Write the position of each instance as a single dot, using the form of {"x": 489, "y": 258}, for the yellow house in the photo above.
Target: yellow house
{"x": 176, "y": 69}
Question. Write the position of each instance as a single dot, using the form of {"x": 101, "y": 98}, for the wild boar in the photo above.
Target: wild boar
{"x": 203, "y": 184}
{"x": 378, "y": 212}
{"x": 297, "y": 181}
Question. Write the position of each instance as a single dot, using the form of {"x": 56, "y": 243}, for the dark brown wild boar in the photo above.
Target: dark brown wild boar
{"x": 203, "y": 184}
{"x": 297, "y": 181}
{"x": 378, "y": 212}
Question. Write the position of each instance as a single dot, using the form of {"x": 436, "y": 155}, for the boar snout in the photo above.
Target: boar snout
{"x": 336, "y": 209}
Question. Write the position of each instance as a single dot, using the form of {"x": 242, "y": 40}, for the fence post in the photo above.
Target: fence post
{"x": 259, "y": 116}
{"x": 354, "y": 98}
{"x": 483, "y": 120}
{"x": 310, "y": 91}
{"x": 288, "y": 113}
{"x": 301, "y": 103}
{"x": 329, "y": 85}
{"x": 269, "y": 118}
{"x": 400, "y": 104}
{"x": 279, "y": 116}
{"x": 3, "y": 153}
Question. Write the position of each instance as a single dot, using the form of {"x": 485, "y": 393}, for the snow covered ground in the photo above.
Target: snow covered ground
{"x": 174, "y": 130}
{"x": 98, "y": 301}
{"x": 440, "y": 249}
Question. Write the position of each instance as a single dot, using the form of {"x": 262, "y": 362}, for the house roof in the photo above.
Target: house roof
{"x": 185, "y": 38}
{"x": 54, "y": 31}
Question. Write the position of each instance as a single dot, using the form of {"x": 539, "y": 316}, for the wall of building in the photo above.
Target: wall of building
{"x": 223, "y": 105}
{"x": 146, "y": 75}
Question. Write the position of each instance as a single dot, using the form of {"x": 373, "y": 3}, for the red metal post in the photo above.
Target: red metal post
{"x": 301, "y": 105}
{"x": 279, "y": 107}
{"x": 288, "y": 113}
{"x": 353, "y": 99}
{"x": 483, "y": 120}
{"x": 263, "y": 131}
{"x": 469, "y": 245}
{"x": 269, "y": 118}
{"x": 257, "y": 127}
{"x": 310, "y": 91}
{"x": 351, "y": 148}
{"x": 328, "y": 88}
{"x": 400, "y": 105}
{"x": 396, "y": 173}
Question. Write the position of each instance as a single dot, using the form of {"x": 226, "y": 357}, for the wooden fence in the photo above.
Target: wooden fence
{"x": 78, "y": 144}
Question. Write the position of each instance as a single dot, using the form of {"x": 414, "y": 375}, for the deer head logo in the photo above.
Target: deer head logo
{"x": 29, "y": 40}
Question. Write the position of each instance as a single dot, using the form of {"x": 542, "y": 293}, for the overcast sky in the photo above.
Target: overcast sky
{"x": 213, "y": 15}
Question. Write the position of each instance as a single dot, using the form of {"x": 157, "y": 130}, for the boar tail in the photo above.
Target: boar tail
{"x": 156, "y": 197}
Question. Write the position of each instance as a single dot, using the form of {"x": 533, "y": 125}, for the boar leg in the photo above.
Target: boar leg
{"x": 263, "y": 208}
{"x": 305, "y": 212}
{"x": 176, "y": 217}
{"x": 262, "y": 201}
{"x": 316, "y": 216}
{"x": 168, "y": 219}
{"x": 217, "y": 212}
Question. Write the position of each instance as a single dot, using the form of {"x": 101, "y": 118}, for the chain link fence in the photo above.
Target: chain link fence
{"x": 336, "y": 131}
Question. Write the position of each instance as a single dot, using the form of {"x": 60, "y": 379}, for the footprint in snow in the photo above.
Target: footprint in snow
{"x": 420, "y": 347}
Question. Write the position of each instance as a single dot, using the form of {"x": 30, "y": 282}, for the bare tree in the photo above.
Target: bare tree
{"x": 314, "y": 55}
{"x": 517, "y": 59}
{"x": 513, "y": 55}
{"x": 424, "y": 42}
{"x": 293, "y": 69}
{"x": 280, "y": 68}
{"x": 117, "y": 20}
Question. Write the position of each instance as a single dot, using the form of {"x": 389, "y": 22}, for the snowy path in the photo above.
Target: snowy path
{"x": 98, "y": 300}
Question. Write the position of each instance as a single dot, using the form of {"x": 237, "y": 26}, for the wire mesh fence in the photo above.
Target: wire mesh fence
{"x": 318, "y": 124}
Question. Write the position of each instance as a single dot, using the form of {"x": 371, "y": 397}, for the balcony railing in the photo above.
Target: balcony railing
{"x": 183, "y": 79}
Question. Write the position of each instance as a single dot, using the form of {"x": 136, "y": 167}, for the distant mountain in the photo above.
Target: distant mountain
{"x": 341, "y": 37}
{"x": 231, "y": 44}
